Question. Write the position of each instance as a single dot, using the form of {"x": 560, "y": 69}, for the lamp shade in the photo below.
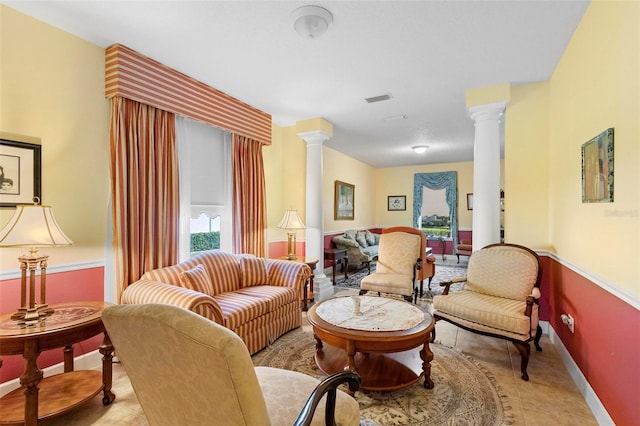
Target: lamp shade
{"x": 291, "y": 220}
{"x": 33, "y": 226}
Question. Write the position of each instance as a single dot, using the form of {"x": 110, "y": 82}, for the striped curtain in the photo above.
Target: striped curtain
{"x": 144, "y": 188}
{"x": 249, "y": 197}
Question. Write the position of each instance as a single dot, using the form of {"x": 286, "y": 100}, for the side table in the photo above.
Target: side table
{"x": 335, "y": 256}
{"x": 311, "y": 262}
{"x": 40, "y": 398}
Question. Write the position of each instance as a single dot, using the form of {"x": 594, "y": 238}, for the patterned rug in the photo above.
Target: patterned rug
{"x": 464, "y": 392}
{"x": 444, "y": 272}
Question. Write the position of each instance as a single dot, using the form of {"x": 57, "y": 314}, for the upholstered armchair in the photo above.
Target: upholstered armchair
{"x": 499, "y": 299}
{"x": 186, "y": 369}
{"x": 401, "y": 254}
{"x": 464, "y": 248}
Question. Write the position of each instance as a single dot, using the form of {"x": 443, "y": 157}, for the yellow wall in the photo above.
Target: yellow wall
{"x": 52, "y": 88}
{"x": 526, "y": 167}
{"x": 595, "y": 86}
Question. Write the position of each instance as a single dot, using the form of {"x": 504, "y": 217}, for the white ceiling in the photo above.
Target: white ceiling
{"x": 427, "y": 54}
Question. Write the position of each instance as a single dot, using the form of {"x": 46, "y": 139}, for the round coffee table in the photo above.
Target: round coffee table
{"x": 384, "y": 357}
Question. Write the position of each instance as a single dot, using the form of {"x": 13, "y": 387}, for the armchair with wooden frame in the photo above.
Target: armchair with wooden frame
{"x": 186, "y": 369}
{"x": 499, "y": 299}
{"x": 401, "y": 260}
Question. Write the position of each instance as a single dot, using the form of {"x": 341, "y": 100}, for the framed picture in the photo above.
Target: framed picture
{"x": 597, "y": 169}
{"x": 343, "y": 207}
{"x": 397, "y": 202}
{"x": 20, "y": 173}
{"x": 469, "y": 201}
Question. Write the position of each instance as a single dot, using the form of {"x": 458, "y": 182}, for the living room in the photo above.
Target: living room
{"x": 589, "y": 251}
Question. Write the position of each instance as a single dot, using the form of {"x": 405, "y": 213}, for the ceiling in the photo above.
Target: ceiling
{"x": 426, "y": 54}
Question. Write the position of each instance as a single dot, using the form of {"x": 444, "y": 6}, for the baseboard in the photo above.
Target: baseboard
{"x": 590, "y": 397}
{"x": 88, "y": 361}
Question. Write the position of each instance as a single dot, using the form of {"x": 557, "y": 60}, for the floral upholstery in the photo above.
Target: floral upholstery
{"x": 500, "y": 297}
{"x": 266, "y": 307}
{"x": 362, "y": 246}
{"x": 186, "y": 369}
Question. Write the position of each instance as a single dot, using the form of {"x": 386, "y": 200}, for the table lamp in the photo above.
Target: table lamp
{"x": 291, "y": 221}
{"x": 32, "y": 226}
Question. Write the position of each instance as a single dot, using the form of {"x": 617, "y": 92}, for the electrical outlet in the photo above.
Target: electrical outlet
{"x": 568, "y": 320}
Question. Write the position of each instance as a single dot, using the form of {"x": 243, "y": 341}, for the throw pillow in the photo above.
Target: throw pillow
{"x": 350, "y": 234}
{"x": 197, "y": 279}
{"x": 254, "y": 271}
{"x": 371, "y": 240}
{"x": 361, "y": 238}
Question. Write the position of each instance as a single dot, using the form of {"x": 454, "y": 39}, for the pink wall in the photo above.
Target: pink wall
{"x": 605, "y": 344}
{"x": 72, "y": 286}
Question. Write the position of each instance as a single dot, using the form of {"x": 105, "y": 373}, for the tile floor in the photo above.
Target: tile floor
{"x": 550, "y": 396}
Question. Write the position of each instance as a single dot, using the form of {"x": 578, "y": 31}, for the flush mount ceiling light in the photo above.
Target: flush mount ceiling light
{"x": 419, "y": 149}
{"x": 311, "y": 21}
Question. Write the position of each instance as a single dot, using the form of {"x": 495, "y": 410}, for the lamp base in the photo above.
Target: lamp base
{"x": 31, "y": 316}
{"x": 291, "y": 246}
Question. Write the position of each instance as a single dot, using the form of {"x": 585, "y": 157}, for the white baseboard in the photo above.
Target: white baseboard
{"x": 88, "y": 361}
{"x": 590, "y": 397}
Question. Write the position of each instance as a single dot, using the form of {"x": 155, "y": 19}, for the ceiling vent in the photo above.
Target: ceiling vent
{"x": 379, "y": 98}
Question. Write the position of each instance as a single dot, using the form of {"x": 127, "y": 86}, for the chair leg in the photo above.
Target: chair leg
{"x": 429, "y": 285}
{"x": 458, "y": 257}
{"x": 421, "y": 282}
{"x": 525, "y": 350}
{"x": 536, "y": 339}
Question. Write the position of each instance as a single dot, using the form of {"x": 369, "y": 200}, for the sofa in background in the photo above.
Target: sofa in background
{"x": 361, "y": 246}
{"x": 259, "y": 299}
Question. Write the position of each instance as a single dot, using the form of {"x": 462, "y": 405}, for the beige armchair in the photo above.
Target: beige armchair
{"x": 499, "y": 299}
{"x": 401, "y": 255}
{"x": 186, "y": 369}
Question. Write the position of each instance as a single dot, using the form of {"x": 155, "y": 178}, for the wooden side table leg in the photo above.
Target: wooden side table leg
{"x": 106, "y": 349}
{"x": 351, "y": 360}
{"x": 427, "y": 357}
{"x": 346, "y": 267}
{"x": 29, "y": 380}
{"x": 68, "y": 358}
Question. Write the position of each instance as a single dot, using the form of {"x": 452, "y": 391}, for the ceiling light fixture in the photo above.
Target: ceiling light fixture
{"x": 419, "y": 149}
{"x": 311, "y": 21}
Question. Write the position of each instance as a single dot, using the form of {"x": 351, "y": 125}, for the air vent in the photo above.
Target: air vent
{"x": 379, "y": 98}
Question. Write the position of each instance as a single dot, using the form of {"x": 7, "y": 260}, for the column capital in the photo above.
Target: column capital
{"x": 314, "y": 136}
{"x": 485, "y": 112}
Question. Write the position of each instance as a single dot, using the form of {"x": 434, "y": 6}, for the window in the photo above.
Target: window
{"x": 204, "y": 153}
{"x": 438, "y": 183}
{"x": 435, "y": 217}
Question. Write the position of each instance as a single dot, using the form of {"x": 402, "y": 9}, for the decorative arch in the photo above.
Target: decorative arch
{"x": 440, "y": 180}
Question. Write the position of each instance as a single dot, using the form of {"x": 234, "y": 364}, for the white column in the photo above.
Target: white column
{"x": 322, "y": 286}
{"x": 486, "y": 173}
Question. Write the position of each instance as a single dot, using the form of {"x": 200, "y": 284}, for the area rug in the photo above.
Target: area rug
{"x": 464, "y": 393}
{"x": 443, "y": 273}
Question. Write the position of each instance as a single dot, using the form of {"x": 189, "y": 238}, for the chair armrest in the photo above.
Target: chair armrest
{"x": 447, "y": 284}
{"x": 147, "y": 291}
{"x": 342, "y": 242}
{"x": 285, "y": 273}
{"x": 327, "y": 386}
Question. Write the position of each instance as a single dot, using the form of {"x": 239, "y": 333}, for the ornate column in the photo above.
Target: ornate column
{"x": 486, "y": 173}
{"x": 322, "y": 286}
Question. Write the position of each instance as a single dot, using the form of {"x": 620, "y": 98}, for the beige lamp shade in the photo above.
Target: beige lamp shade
{"x": 291, "y": 220}
{"x": 33, "y": 226}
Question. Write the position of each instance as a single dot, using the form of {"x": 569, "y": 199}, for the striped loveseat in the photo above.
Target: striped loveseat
{"x": 257, "y": 298}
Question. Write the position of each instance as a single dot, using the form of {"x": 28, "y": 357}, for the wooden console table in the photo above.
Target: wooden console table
{"x": 40, "y": 398}
{"x": 336, "y": 256}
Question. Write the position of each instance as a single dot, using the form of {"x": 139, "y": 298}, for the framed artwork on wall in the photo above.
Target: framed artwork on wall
{"x": 397, "y": 202}
{"x": 343, "y": 207}
{"x": 597, "y": 169}
{"x": 469, "y": 201}
{"x": 20, "y": 173}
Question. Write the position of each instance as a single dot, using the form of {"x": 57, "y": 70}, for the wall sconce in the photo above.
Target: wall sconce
{"x": 32, "y": 226}
{"x": 291, "y": 221}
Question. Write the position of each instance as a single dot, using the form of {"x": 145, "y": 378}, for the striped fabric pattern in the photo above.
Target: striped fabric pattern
{"x": 287, "y": 273}
{"x": 130, "y": 75}
{"x": 275, "y": 296}
{"x": 145, "y": 291}
{"x": 249, "y": 197}
{"x": 254, "y": 271}
{"x": 197, "y": 279}
{"x": 223, "y": 269}
{"x": 144, "y": 189}
{"x": 506, "y": 315}
{"x": 238, "y": 310}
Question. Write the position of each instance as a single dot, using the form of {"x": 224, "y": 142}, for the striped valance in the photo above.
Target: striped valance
{"x": 136, "y": 77}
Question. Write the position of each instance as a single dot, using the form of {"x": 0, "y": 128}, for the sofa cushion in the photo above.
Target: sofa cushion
{"x": 238, "y": 309}
{"x": 371, "y": 238}
{"x": 361, "y": 238}
{"x": 254, "y": 271}
{"x": 197, "y": 279}
{"x": 350, "y": 234}
{"x": 274, "y": 296}
{"x": 223, "y": 269}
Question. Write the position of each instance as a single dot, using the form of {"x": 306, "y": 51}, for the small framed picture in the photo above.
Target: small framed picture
{"x": 469, "y": 201}
{"x": 20, "y": 171}
{"x": 396, "y": 202}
